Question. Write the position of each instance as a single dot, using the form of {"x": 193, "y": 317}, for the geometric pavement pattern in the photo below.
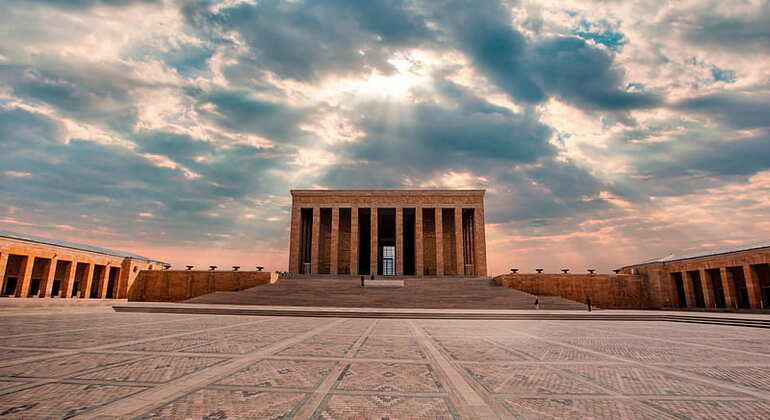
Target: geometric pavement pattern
{"x": 173, "y": 366}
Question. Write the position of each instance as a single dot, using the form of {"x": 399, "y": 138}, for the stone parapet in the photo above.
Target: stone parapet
{"x": 179, "y": 285}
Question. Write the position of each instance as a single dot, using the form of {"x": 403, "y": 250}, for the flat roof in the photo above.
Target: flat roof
{"x": 705, "y": 253}
{"x": 427, "y": 191}
{"x": 72, "y": 245}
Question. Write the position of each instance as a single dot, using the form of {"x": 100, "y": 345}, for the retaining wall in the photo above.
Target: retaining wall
{"x": 179, "y": 285}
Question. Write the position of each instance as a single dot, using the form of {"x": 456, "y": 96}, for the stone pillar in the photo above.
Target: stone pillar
{"x": 399, "y": 241}
{"x": 419, "y": 262}
{"x": 439, "y": 241}
{"x": 354, "y": 240}
{"x": 689, "y": 293}
{"x": 374, "y": 251}
{"x": 48, "y": 278}
{"x": 104, "y": 279}
{"x": 22, "y": 290}
{"x": 69, "y": 280}
{"x": 459, "y": 241}
{"x": 708, "y": 289}
{"x": 479, "y": 242}
{"x": 728, "y": 286}
{"x": 3, "y": 267}
{"x": 85, "y": 288}
{"x": 315, "y": 241}
{"x": 295, "y": 235}
{"x": 752, "y": 287}
{"x": 335, "y": 238}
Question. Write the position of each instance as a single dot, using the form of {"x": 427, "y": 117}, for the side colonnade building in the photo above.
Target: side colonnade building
{"x": 388, "y": 232}
{"x": 733, "y": 278}
{"x": 39, "y": 267}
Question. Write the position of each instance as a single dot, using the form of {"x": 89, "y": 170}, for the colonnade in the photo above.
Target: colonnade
{"x": 741, "y": 287}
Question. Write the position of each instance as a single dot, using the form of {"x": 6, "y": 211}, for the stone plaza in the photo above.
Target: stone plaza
{"x": 94, "y": 363}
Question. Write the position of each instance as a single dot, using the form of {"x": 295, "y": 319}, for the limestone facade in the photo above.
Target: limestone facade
{"x": 46, "y": 268}
{"x": 179, "y": 285}
{"x": 735, "y": 279}
{"x": 388, "y": 232}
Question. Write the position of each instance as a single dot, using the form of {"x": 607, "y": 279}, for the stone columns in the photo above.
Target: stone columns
{"x": 439, "y": 241}
{"x": 480, "y": 242}
{"x": 104, "y": 279}
{"x": 689, "y": 293}
{"x": 48, "y": 278}
{"x": 295, "y": 239}
{"x": 85, "y": 288}
{"x": 354, "y": 240}
{"x": 459, "y": 241}
{"x": 752, "y": 287}
{"x": 728, "y": 286}
{"x": 708, "y": 289}
{"x": 399, "y": 241}
{"x": 419, "y": 263}
{"x": 335, "y": 238}
{"x": 374, "y": 249}
{"x": 315, "y": 241}
{"x": 69, "y": 280}
{"x": 3, "y": 267}
{"x": 22, "y": 290}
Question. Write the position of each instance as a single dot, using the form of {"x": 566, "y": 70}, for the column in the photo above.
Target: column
{"x": 103, "y": 280}
{"x": 354, "y": 240}
{"x": 374, "y": 249}
{"x": 399, "y": 241}
{"x": 727, "y": 287}
{"x": 459, "y": 241}
{"x": 3, "y": 267}
{"x": 689, "y": 293}
{"x": 708, "y": 289}
{"x": 315, "y": 240}
{"x": 752, "y": 287}
{"x": 69, "y": 280}
{"x": 439, "y": 241}
{"x": 85, "y": 288}
{"x": 48, "y": 278}
{"x": 480, "y": 242}
{"x": 295, "y": 239}
{"x": 419, "y": 262}
{"x": 22, "y": 290}
{"x": 334, "y": 248}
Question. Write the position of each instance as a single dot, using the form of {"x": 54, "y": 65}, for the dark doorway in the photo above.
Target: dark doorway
{"x": 697, "y": 288}
{"x": 739, "y": 282}
{"x": 11, "y": 282}
{"x": 325, "y": 241}
{"x": 81, "y": 271}
{"x": 40, "y": 269}
{"x": 343, "y": 249}
{"x": 762, "y": 274}
{"x": 96, "y": 281}
{"x": 14, "y": 270}
{"x": 680, "y": 299}
{"x": 386, "y": 237}
{"x": 715, "y": 277}
{"x": 429, "y": 241}
{"x": 306, "y": 235}
{"x": 409, "y": 242}
{"x": 112, "y": 282}
{"x": 364, "y": 240}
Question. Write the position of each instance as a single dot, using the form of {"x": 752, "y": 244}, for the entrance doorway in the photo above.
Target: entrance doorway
{"x": 388, "y": 260}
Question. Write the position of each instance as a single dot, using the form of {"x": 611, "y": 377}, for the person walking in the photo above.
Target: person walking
{"x": 362, "y": 281}
{"x": 588, "y": 302}
{"x": 537, "y": 303}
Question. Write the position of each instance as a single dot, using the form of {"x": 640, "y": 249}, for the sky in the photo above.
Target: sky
{"x": 605, "y": 132}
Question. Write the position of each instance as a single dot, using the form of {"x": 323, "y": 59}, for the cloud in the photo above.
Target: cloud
{"x": 738, "y": 110}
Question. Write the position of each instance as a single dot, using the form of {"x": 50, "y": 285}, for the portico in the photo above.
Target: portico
{"x": 388, "y": 232}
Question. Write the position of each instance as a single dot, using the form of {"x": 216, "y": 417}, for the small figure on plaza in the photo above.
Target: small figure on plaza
{"x": 588, "y": 302}
{"x": 537, "y": 303}
{"x": 362, "y": 281}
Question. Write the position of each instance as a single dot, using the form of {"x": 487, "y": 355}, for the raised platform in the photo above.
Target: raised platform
{"x": 422, "y": 293}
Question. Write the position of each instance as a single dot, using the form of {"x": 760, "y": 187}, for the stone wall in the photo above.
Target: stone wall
{"x": 606, "y": 291}
{"x": 179, "y": 285}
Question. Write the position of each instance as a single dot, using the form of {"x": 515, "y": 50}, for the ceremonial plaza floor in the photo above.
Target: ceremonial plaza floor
{"x": 96, "y": 363}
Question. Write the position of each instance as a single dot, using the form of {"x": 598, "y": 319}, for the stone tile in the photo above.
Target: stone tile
{"x": 60, "y": 366}
{"x": 577, "y": 409}
{"x": 8, "y": 354}
{"x": 750, "y": 376}
{"x": 392, "y": 351}
{"x": 317, "y": 350}
{"x": 332, "y": 339}
{"x": 389, "y": 377}
{"x": 281, "y": 374}
{"x": 165, "y": 344}
{"x": 10, "y": 384}
{"x": 157, "y": 369}
{"x": 714, "y": 409}
{"x": 73, "y": 340}
{"x": 213, "y": 404}
{"x": 653, "y": 351}
{"x": 533, "y": 349}
{"x": 526, "y": 379}
{"x": 228, "y": 346}
{"x": 637, "y": 380}
{"x": 61, "y": 400}
{"x": 475, "y": 350}
{"x": 339, "y": 407}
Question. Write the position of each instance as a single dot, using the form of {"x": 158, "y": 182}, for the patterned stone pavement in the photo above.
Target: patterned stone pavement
{"x": 138, "y": 366}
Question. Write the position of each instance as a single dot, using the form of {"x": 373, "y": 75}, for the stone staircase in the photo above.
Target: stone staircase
{"x": 425, "y": 293}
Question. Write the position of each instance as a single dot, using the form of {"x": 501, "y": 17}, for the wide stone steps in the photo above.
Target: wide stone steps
{"x": 426, "y": 293}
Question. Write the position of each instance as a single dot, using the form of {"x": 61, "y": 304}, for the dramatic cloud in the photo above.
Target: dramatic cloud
{"x": 604, "y": 132}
